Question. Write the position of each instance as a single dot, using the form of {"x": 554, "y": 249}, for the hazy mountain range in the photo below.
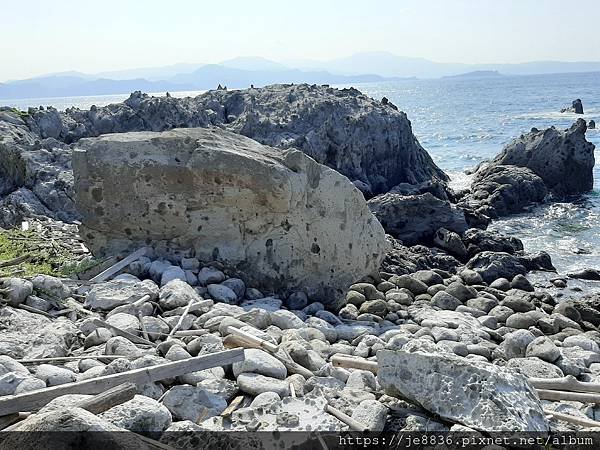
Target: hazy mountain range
{"x": 245, "y": 71}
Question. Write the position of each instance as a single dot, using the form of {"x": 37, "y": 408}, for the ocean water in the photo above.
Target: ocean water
{"x": 462, "y": 122}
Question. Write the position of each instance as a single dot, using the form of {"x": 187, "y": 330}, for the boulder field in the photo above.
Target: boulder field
{"x": 249, "y": 209}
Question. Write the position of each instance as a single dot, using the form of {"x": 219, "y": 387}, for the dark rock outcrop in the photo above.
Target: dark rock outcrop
{"x": 500, "y": 190}
{"x": 576, "y": 107}
{"x": 535, "y": 164}
{"x": 416, "y": 218}
{"x": 401, "y": 259}
{"x": 563, "y": 159}
{"x": 478, "y": 241}
{"x": 493, "y": 265}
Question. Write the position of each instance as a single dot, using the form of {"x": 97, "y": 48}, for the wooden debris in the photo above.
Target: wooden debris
{"x": 235, "y": 403}
{"x": 568, "y": 383}
{"x": 354, "y": 425}
{"x": 15, "y": 261}
{"x": 582, "y": 397}
{"x": 587, "y": 423}
{"x": 61, "y": 359}
{"x": 28, "y": 401}
{"x": 143, "y": 327}
{"x": 247, "y": 340}
{"x": 106, "y": 400}
{"x": 115, "y": 268}
{"x": 132, "y": 337}
{"x": 181, "y": 319}
{"x": 28, "y": 309}
{"x": 353, "y": 362}
{"x": 292, "y": 390}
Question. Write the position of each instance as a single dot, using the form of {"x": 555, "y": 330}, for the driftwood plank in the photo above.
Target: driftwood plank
{"x": 106, "y": 400}
{"x": 583, "y": 397}
{"x": 132, "y": 337}
{"x": 112, "y": 270}
{"x": 353, "y": 362}
{"x": 568, "y": 383}
{"x": 354, "y": 424}
{"x": 588, "y": 423}
{"x": 29, "y": 401}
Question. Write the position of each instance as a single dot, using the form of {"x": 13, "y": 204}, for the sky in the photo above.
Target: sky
{"x": 94, "y": 36}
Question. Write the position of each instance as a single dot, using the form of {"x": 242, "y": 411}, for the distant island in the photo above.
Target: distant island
{"x": 477, "y": 74}
{"x": 243, "y": 72}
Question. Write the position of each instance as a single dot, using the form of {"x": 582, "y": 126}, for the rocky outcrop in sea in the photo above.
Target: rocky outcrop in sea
{"x": 235, "y": 220}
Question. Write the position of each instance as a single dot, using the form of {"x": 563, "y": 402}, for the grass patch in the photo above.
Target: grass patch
{"x": 46, "y": 256}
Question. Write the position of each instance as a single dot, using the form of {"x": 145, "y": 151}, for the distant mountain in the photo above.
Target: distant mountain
{"x": 253, "y": 63}
{"x": 477, "y": 74}
{"x": 254, "y": 70}
{"x": 211, "y": 75}
{"x": 150, "y": 73}
{"x": 390, "y": 65}
{"x": 69, "y": 86}
{"x": 206, "y": 77}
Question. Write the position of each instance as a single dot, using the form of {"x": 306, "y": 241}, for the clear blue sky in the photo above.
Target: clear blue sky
{"x": 42, "y": 36}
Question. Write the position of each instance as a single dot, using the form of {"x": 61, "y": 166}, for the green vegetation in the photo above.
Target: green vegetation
{"x": 22, "y": 114}
{"x": 42, "y": 255}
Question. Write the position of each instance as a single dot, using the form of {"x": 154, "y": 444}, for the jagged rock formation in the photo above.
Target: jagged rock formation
{"x": 549, "y": 161}
{"x": 282, "y": 219}
{"x": 576, "y": 107}
{"x": 369, "y": 142}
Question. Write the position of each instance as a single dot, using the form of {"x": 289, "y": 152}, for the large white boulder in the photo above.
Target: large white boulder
{"x": 285, "y": 221}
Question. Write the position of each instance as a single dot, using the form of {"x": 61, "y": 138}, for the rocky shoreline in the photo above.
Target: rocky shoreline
{"x": 439, "y": 302}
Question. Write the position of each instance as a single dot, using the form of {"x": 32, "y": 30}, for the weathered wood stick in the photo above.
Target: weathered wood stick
{"x": 248, "y": 340}
{"x": 183, "y": 333}
{"x": 353, "y": 362}
{"x": 28, "y": 401}
{"x": 180, "y": 321}
{"x": 15, "y": 261}
{"x": 27, "y": 308}
{"x": 354, "y": 425}
{"x": 106, "y": 400}
{"x": 67, "y": 358}
{"x": 96, "y": 405}
{"x": 132, "y": 337}
{"x": 292, "y": 390}
{"x": 568, "y": 383}
{"x": 588, "y": 423}
{"x": 112, "y": 270}
{"x": 569, "y": 396}
{"x": 235, "y": 403}
{"x": 143, "y": 327}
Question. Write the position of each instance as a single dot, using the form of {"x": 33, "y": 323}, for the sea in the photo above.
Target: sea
{"x": 463, "y": 121}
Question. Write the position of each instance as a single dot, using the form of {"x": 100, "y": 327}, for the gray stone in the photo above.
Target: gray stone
{"x": 109, "y": 295}
{"x": 53, "y": 375}
{"x": 191, "y": 403}
{"x": 222, "y": 293}
{"x": 543, "y": 348}
{"x": 255, "y": 384}
{"x": 372, "y": 414}
{"x": 210, "y": 275}
{"x": 259, "y": 361}
{"x": 286, "y": 320}
{"x": 140, "y": 414}
{"x": 522, "y": 283}
{"x": 460, "y": 291}
{"x": 444, "y": 300}
{"x": 515, "y": 344}
{"x": 16, "y": 290}
{"x": 125, "y": 322}
{"x": 533, "y": 367}
{"x": 499, "y": 400}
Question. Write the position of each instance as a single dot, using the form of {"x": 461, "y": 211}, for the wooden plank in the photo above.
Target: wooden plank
{"x": 235, "y": 403}
{"x": 132, "y": 337}
{"x": 106, "y": 400}
{"x": 587, "y": 423}
{"x": 568, "y": 383}
{"x": 29, "y": 401}
{"x": 354, "y": 424}
{"x": 68, "y": 358}
{"x": 180, "y": 321}
{"x": 569, "y": 396}
{"x": 115, "y": 268}
{"x": 353, "y": 362}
